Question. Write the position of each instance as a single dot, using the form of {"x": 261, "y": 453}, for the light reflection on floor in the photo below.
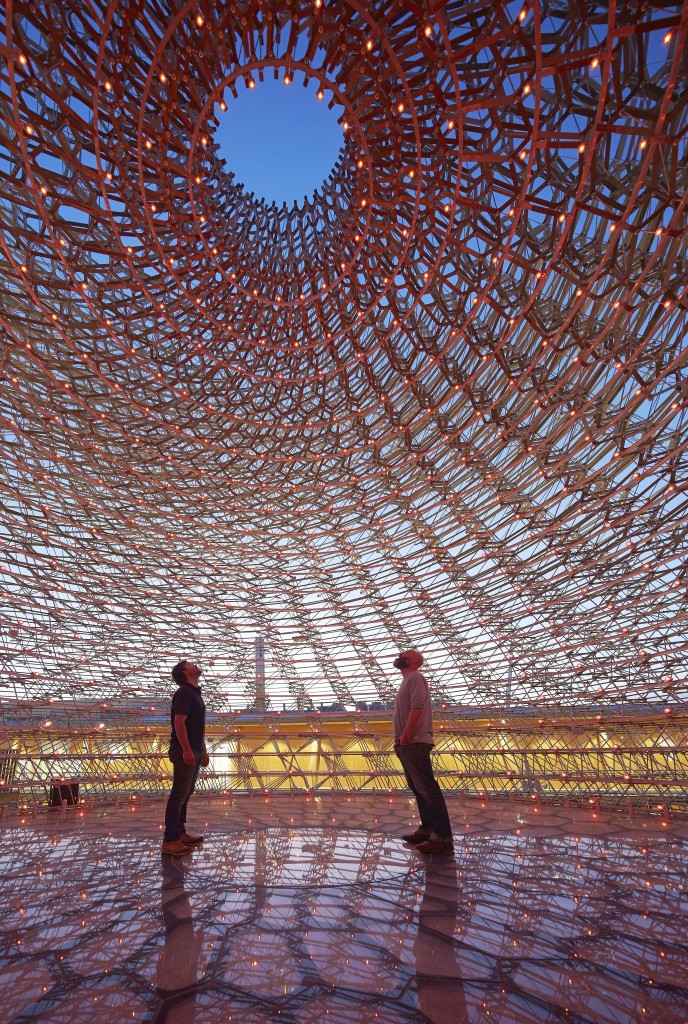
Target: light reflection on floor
{"x": 306, "y": 911}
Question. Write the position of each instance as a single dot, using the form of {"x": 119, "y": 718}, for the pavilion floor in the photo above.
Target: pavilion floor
{"x": 301, "y": 909}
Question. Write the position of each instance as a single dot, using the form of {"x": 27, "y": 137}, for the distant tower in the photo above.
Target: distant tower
{"x": 260, "y": 674}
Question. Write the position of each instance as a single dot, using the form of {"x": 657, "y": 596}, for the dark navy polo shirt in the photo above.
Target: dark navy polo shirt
{"x": 188, "y": 701}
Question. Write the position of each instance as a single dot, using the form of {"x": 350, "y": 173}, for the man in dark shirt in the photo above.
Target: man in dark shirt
{"x": 187, "y": 753}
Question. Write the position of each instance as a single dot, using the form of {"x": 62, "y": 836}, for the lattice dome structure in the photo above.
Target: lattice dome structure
{"x": 440, "y": 403}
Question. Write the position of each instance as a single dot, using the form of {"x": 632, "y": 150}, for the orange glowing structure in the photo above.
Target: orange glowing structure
{"x": 440, "y": 404}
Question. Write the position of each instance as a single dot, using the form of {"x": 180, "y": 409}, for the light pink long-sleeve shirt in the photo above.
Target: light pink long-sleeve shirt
{"x": 414, "y": 692}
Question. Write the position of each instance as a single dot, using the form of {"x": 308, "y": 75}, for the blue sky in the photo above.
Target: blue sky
{"x": 280, "y": 141}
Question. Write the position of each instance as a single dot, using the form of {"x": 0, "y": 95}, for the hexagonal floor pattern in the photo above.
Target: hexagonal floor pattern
{"x": 305, "y": 910}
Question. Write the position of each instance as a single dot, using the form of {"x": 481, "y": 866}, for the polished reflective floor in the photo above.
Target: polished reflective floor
{"x": 311, "y": 910}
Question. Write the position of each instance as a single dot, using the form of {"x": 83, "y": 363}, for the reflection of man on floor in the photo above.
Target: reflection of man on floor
{"x": 413, "y": 741}
{"x": 178, "y": 960}
{"x": 441, "y": 996}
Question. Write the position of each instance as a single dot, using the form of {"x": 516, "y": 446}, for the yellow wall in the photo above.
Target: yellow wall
{"x": 636, "y": 756}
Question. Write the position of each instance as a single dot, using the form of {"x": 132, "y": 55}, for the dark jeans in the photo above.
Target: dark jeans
{"x": 415, "y": 758}
{"x": 183, "y": 784}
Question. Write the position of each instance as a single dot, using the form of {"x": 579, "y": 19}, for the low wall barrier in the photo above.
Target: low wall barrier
{"x": 619, "y": 757}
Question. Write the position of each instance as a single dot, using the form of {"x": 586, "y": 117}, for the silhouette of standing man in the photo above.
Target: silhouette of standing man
{"x": 413, "y": 741}
{"x": 187, "y": 753}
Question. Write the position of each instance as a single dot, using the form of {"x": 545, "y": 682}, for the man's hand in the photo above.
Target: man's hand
{"x": 205, "y": 759}
{"x": 411, "y": 726}
{"x": 189, "y": 757}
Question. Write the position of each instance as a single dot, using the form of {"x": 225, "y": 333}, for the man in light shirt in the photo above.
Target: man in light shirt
{"x": 413, "y": 741}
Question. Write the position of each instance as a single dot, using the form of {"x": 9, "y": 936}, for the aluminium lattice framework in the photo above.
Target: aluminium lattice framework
{"x": 441, "y": 402}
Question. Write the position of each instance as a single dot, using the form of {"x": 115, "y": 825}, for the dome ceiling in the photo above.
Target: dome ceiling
{"x": 439, "y": 403}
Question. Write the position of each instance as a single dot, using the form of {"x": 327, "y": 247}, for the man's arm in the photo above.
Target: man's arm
{"x": 183, "y": 737}
{"x": 412, "y": 723}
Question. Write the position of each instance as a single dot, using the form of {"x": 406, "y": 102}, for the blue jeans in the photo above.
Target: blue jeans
{"x": 183, "y": 784}
{"x": 415, "y": 759}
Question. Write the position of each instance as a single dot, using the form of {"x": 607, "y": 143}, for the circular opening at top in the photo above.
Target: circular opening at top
{"x": 280, "y": 140}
